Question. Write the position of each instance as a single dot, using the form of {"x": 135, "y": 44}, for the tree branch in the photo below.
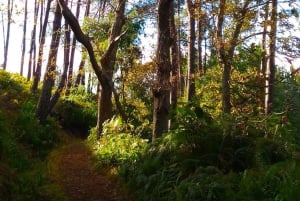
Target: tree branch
{"x": 84, "y": 39}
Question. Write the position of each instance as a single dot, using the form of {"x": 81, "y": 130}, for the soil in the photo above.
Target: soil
{"x": 80, "y": 181}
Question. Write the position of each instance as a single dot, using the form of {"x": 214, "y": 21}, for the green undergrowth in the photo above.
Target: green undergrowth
{"x": 114, "y": 149}
{"x": 77, "y": 112}
{"x": 24, "y": 145}
{"x": 198, "y": 160}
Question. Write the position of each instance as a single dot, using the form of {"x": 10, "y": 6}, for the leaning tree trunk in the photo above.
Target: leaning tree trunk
{"x": 108, "y": 62}
{"x": 63, "y": 80}
{"x": 84, "y": 39}
{"x": 49, "y": 78}
{"x": 24, "y": 37}
{"x": 38, "y": 70}
{"x": 162, "y": 87}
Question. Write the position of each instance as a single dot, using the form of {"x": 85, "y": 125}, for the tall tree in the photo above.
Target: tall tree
{"x": 107, "y": 58}
{"x": 162, "y": 87}
{"x": 271, "y": 67}
{"x": 73, "y": 45}
{"x": 264, "y": 57}
{"x": 43, "y": 109}
{"x": 63, "y": 79}
{"x": 201, "y": 22}
{"x": 191, "y": 89}
{"x": 24, "y": 36}
{"x": 38, "y": 70}
{"x": 10, "y": 5}
{"x": 80, "y": 78}
{"x": 181, "y": 80}
{"x": 226, "y": 45}
{"x": 107, "y": 61}
{"x": 175, "y": 63}
{"x": 32, "y": 51}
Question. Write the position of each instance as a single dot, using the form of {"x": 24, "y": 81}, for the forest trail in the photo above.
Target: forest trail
{"x": 72, "y": 167}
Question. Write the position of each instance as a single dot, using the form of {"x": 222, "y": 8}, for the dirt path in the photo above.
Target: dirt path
{"x": 80, "y": 181}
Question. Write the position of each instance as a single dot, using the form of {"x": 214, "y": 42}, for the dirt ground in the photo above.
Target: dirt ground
{"x": 80, "y": 181}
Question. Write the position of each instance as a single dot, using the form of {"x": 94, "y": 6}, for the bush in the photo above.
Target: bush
{"x": 39, "y": 138}
{"x": 198, "y": 161}
{"x": 76, "y": 114}
{"x": 114, "y": 149}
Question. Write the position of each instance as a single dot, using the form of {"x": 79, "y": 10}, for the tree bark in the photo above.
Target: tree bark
{"x": 225, "y": 49}
{"x": 271, "y": 67}
{"x": 264, "y": 59}
{"x": 80, "y": 78}
{"x": 162, "y": 87}
{"x": 108, "y": 63}
{"x": 24, "y": 37}
{"x": 38, "y": 71}
{"x": 84, "y": 39}
{"x": 49, "y": 78}
{"x": 181, "y": 80}
{"x": 10, "y": 5}
{"x": 64, "y": 76}
{"x": 201, "y": 28}
{"x": 191, "y": 89}
{"x": 33, "y": 42}
{"x": 174, "y": 61}
{"x": 73, "y": 45}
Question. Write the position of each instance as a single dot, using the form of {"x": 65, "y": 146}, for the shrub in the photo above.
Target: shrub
{"x": 76, "y": 114}
{"x": 114, "y": 149}
{"x": 39, "y": 138}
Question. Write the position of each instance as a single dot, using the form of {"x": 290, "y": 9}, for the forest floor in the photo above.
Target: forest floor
{"x": 72, "y": 167}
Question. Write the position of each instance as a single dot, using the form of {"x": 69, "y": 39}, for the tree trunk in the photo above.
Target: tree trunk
{"x": 41, "y": 18}
{"x": 201, "y": 29}
{"x": 49, "y": 78}
{"x": 33, "y": 41}
{"x": 225, "y": 49}
{"x": 264, "y": 59}
{"x": 191, "y": 89}
{"x": 271, "y": 67}
{"x": 70, "y": 73}
{"x": 162, "y": 87}
{"x": 181, "y": 82}
{"x": 64, "y": 76}
{"x": 174, "y": 61}
{"x": 84, "y": 39}
{"x": 10, "y": 5}
{"x": 38, "y": 71}
{"x": 226, "y": 106}
{"x": 24, "y": 37}
{"x": 108, "y": 62}
{"x": 80, "y": 78}
{"x": 264, "y": 56}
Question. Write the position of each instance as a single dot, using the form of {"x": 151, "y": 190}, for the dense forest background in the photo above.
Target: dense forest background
{"x": 178, "y": 100}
